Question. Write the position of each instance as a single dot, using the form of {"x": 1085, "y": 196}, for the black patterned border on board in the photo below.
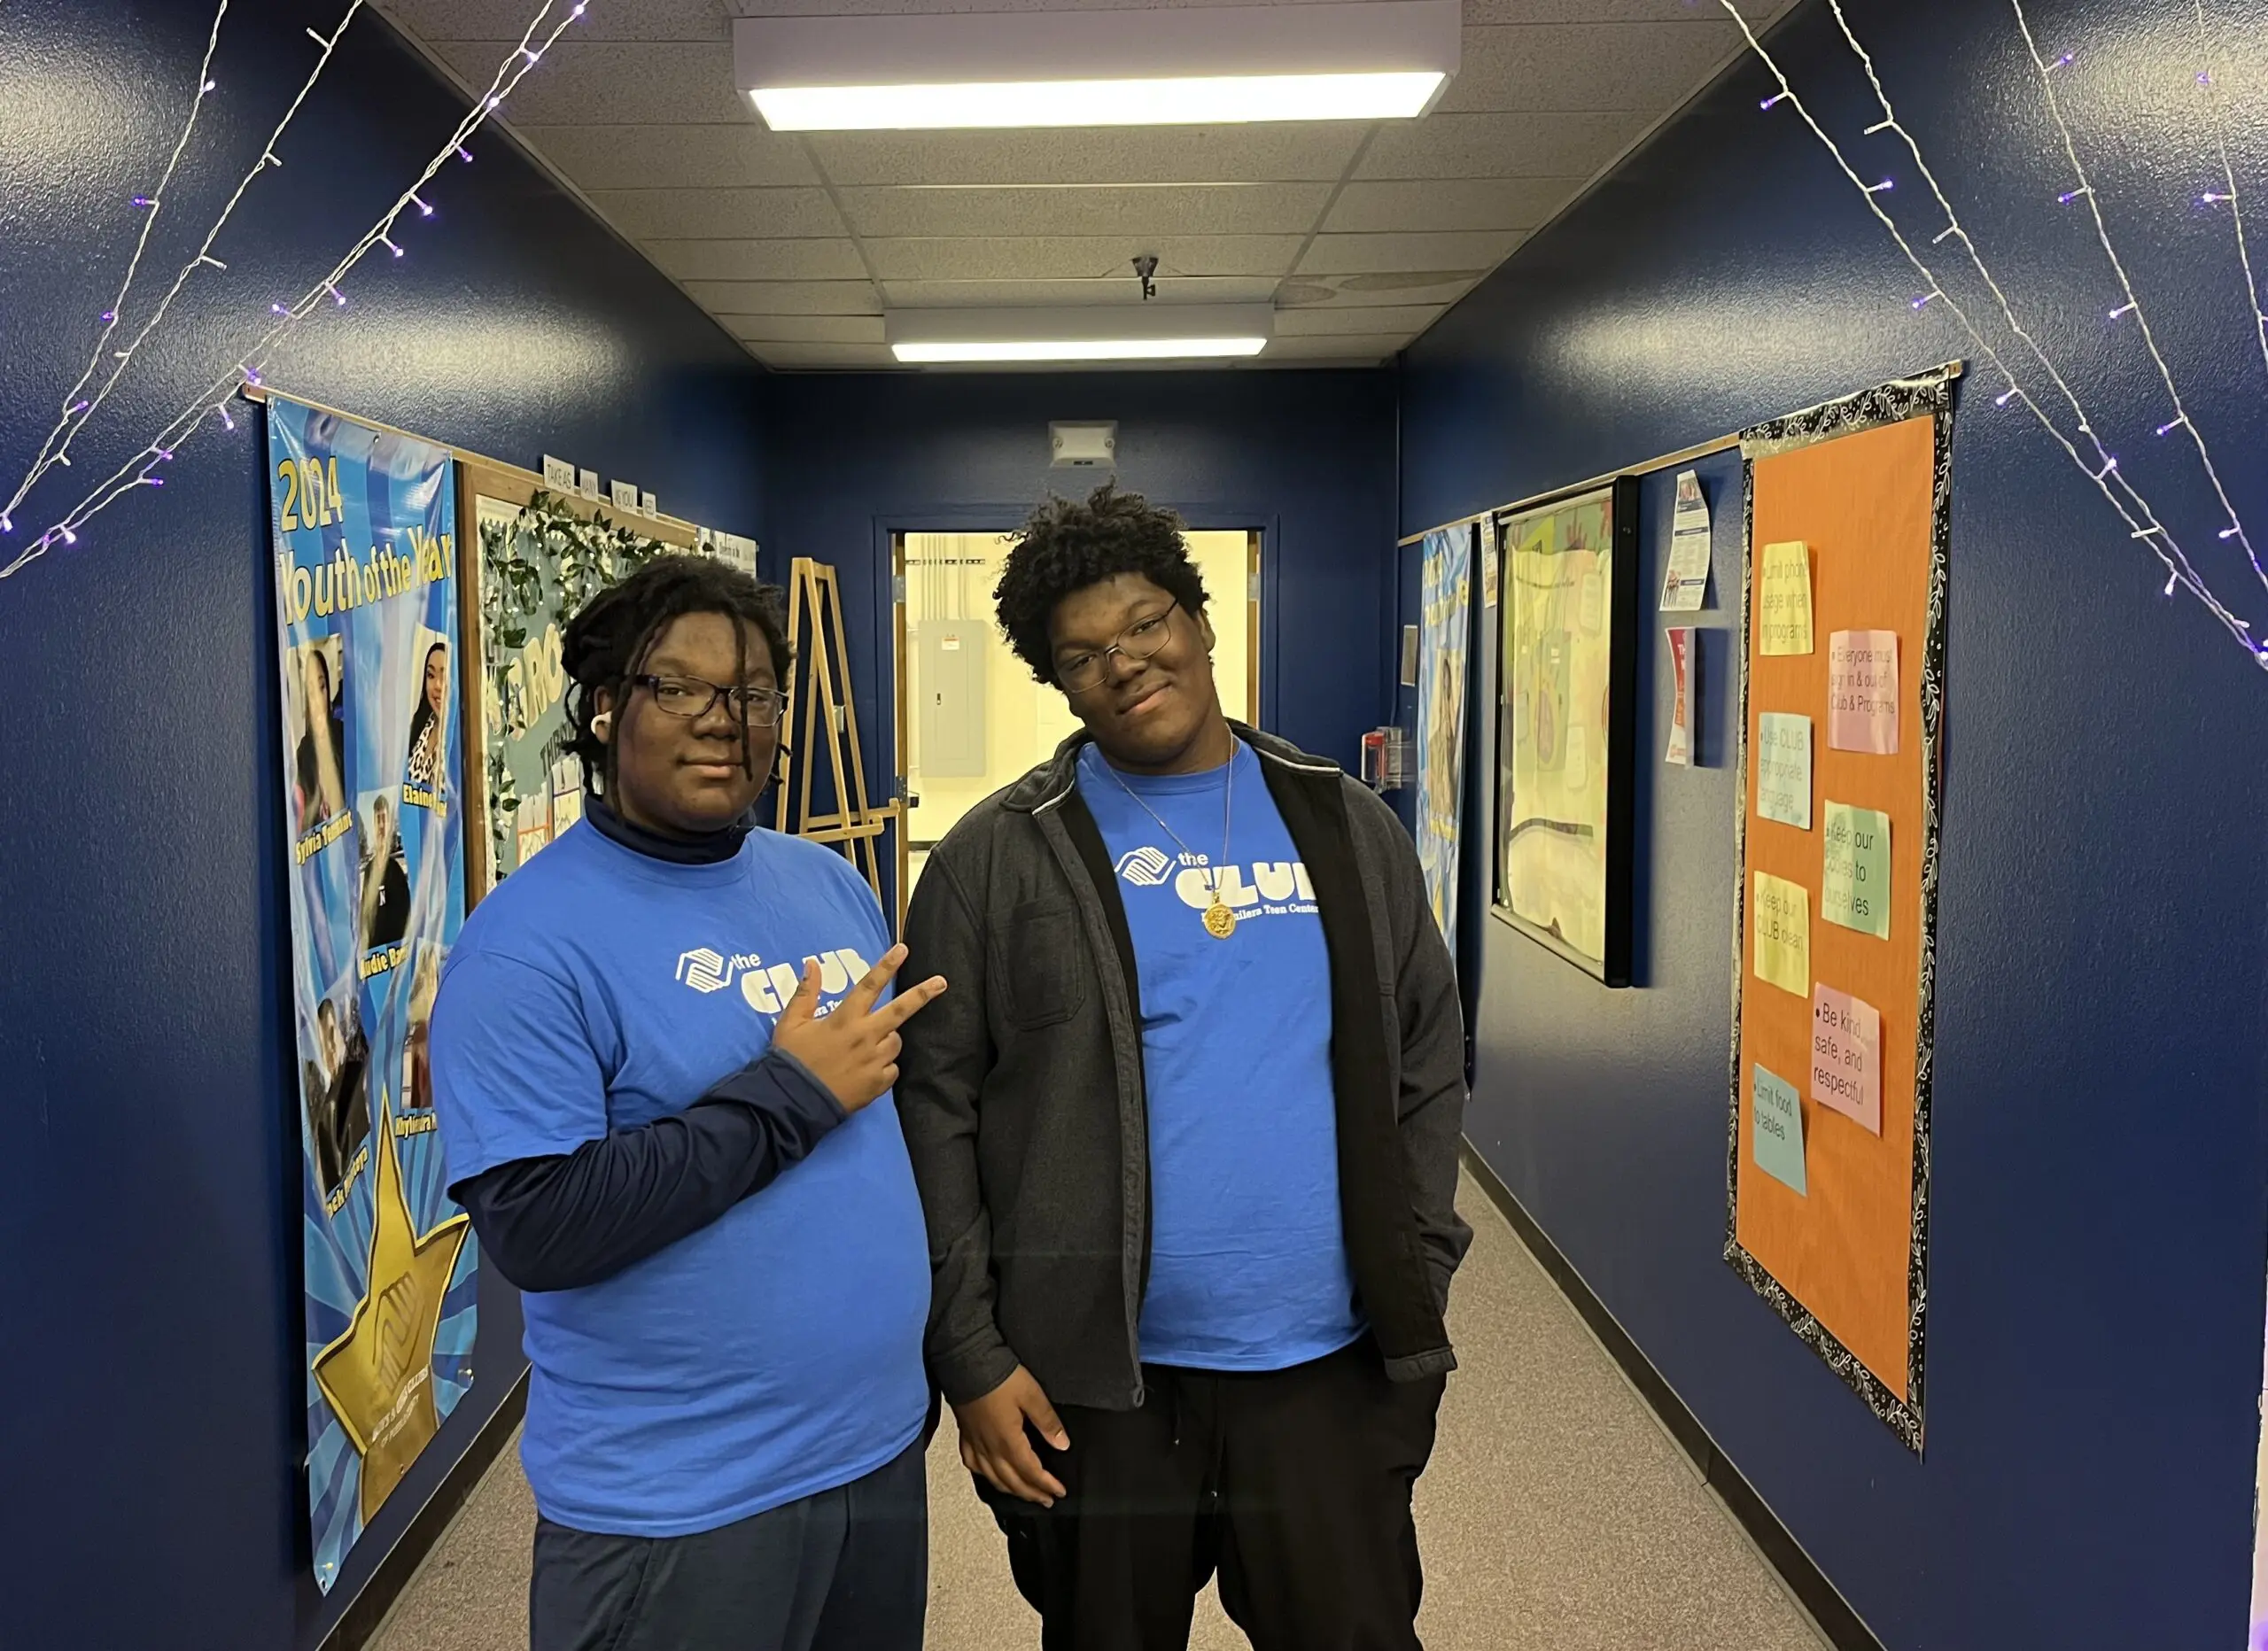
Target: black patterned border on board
{"x": 1927, "y": 394}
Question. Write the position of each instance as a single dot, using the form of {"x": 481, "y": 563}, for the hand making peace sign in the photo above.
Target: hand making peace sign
{"x": 854, "y": 1050}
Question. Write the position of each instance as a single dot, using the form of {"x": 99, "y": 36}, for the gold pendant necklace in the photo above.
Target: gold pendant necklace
{"x": 1220, "y": 922}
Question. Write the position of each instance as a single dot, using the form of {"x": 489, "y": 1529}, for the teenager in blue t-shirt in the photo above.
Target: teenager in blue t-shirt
{"x": 1187, "y": 1134}
{"x": 662, "y": 1061}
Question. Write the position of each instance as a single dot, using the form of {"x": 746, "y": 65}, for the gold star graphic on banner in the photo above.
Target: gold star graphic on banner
{"x": 379, "y": 1376}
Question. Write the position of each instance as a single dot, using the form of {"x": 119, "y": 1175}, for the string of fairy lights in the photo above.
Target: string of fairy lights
{"x": 54, "y": 450}
{"x": 2143, "y": 522}
{"x": 246, "y": 367}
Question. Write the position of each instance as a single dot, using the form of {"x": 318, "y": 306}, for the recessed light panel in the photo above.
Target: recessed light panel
{"x": 1381, "y": 59}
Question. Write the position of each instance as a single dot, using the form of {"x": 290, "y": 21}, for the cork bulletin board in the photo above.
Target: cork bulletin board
{"x": 1841, "y": 695}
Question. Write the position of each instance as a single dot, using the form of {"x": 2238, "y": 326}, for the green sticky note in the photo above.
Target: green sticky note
{"x": 1854, "y": 883}
{"x": 1778, "y": 1130}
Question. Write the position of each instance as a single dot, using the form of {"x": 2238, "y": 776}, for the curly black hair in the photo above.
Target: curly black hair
{"x": 1065, "y": 546}
{"x": 606, "y": 644}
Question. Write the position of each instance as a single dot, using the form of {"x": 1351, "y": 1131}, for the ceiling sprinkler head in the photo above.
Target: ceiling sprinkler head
{"x": 1146, "y": 267}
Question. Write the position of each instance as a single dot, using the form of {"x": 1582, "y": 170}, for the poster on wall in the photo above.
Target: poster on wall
{"x": 1445, "y": 598}
{"x": 1566, "y": 721}
{"x": 2257, "y": 1640}
{"x": 364, "y": 539}
{"x": 1828, "y": 1150}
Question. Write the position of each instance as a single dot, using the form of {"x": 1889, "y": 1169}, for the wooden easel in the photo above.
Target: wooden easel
{"x": 819, "y": 705}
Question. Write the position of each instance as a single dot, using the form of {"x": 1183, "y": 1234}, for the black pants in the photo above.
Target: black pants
{"x": 1294, "y": 1485}
{"x": 847, "y": 1570}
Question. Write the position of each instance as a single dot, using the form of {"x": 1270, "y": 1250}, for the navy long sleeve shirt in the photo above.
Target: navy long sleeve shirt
{"x": 566, "y": 1221}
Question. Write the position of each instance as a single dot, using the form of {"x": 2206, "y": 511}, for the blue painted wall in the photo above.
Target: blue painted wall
{"x": 152, "y": 1444}
{"x": 2095, "y": 1278}
{"x": 1307, "y": 457}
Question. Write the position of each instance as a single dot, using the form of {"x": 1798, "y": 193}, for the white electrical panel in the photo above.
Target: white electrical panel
{"x": 950, "y": 657}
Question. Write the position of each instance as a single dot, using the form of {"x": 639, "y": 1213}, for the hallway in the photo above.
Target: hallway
{"x": 1556, "y": 1517}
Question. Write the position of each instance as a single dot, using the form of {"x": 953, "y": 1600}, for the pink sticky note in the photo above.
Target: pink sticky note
{"x": 1847, "y": 1056}
{"x": 1862, "y": 691}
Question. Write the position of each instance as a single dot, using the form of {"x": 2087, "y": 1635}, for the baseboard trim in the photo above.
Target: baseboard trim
{"x": 1841, "y": 1625}
{"x": 366, "y": 1615}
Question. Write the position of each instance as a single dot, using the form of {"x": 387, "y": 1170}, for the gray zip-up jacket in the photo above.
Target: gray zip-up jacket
{"x": 1020, "y": 1089}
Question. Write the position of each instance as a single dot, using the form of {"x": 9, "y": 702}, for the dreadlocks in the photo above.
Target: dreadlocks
{"x": 1065, "y": 546}
{"x": 606, "y": 644}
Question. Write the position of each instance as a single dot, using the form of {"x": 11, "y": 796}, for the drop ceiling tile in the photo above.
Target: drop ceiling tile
{"x": 748, "y": 156}
{"x": 1450, "y": 203}
{"x": 1170, "y": 210}
{"x": 1650, "y": 67}
{"x": 1364, "y": 348}
{"x": 1389, "y": 289}
{"x": 1501, "y": 145}
{"x": 1366, "y": 254}
{"x": 1296, "y": 152}
{"x": 1039, "y": 258}
{"x": 712, "y": 213}
{"x": 813, "y": 259}
{"x": 793, "y": 357}
{"x": 506, "y": 20}
{"x": 767, "y": 330}
{"x": 786, "y": 298}
{"x": 1114, "y": 289}
{"x": 1326, "y": 321}
{"x": 590, "y": 82}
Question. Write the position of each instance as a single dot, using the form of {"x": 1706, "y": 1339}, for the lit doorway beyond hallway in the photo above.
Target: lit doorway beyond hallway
{"x": 970, "y": 716}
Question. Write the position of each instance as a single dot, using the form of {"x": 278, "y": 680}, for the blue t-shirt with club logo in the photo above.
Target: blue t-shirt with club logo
{"x": 1248, "y": 1266}
{"x": 776, "y": 1353}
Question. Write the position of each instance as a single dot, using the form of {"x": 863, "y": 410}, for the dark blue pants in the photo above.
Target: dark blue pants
{"x": 847, "y": 1570}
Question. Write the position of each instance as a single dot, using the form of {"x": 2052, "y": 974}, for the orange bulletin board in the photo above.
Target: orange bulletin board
{"x": 1861, "y": 485}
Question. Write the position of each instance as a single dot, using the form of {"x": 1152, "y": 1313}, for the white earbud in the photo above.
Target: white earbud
{"x": 601, "y": 723}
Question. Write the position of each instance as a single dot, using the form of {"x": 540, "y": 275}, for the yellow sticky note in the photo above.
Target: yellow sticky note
{"x": 1783, "y": 933}
{"x": 1783, "y": 600}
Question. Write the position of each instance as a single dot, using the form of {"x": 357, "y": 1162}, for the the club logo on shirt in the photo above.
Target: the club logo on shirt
{"x": 704, "y": 970}
{"x": 767, "y": 988}
{"x": 1266, "y": 888}
{"x": 1144, "y": 868}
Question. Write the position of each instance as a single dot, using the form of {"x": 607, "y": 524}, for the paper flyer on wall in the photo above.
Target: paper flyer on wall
{"x": 364, "y": 544}
{"x": 1686, "y": 582}
{"x": 1445, "y": 587}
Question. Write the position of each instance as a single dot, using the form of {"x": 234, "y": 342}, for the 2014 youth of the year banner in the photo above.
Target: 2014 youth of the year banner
{"x": 364, "y": 537}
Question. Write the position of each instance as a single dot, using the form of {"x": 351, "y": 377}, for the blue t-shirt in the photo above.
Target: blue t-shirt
{"x": 776, "y": 1353}
{"x": 1248, "y": 1266}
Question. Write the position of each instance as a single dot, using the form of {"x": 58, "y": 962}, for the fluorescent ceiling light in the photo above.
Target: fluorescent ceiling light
{"x": 1220, "y": 101}
{"x": 1376, "y": 59}
{"x": 1153, "y": 332}
{"x": 1079, "y": 350}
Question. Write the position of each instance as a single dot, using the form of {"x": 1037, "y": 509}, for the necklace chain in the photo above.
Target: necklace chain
{"x": 1228, "y": 795}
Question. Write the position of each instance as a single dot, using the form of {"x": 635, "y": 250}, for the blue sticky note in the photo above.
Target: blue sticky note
{"x": 1778, "y": 1130}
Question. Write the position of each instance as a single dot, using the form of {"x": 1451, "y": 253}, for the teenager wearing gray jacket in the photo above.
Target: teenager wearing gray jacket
{"x": 1185, "y": 1132}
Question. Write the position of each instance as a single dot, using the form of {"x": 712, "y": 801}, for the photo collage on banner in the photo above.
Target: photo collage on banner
{"x": 1444, "y": 636}
{"x": 364, "y": 538}
{"x": 539, "y": 557}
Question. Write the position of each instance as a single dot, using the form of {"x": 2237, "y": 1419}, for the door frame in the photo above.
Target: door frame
{"x": 1261, "y": 527}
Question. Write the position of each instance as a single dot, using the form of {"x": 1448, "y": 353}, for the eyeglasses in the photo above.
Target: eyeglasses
{"x": 1139, "y": 641}
{"x": 690, "y": 697}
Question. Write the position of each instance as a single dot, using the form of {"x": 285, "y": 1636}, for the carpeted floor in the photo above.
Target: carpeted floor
{"x": 1556, "y": 1515}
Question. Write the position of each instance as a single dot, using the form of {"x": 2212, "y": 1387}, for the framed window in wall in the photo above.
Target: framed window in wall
{"x": 1568, "y": 571}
